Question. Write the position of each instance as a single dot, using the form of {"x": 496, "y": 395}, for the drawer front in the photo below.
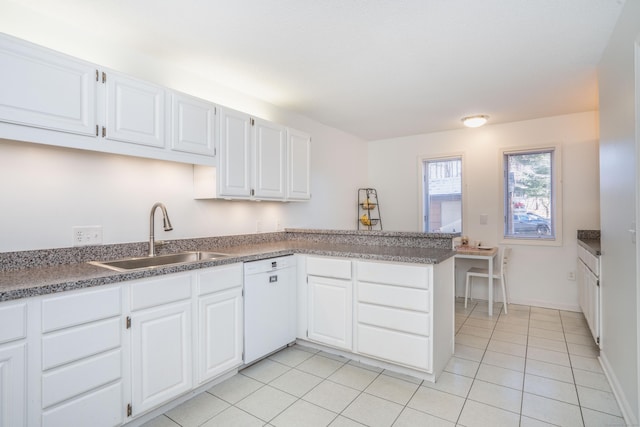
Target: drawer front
{"x": 219, "y": 278}
{"x": 590, "y": 260}
{"x": 102, "y": 408}
{"x": 13, "y": 318}
{"x": 329, "y": 267}
{"x": 405, "y": 349}
{"x": 72, "y": 380}
{"x": 76, "y": 343}
{"x": 154, "y": 292}
{"x": 395, "y": 296}
{"x": 414, "y": 276}
{"x": 63, "y": 311}
{"x": 392, "y": 318}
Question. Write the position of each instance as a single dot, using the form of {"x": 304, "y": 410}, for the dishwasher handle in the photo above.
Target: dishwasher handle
{"x": 273, "y": 278}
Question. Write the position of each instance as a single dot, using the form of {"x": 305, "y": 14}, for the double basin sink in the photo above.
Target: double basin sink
{"x": 140, "y": 263}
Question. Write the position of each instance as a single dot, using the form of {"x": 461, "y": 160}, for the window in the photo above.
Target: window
{"x": 442, "y": 195}
{"x": 529, "y": 195}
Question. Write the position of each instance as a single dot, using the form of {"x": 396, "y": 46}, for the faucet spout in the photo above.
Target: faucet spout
{"x": 166, "y": 223}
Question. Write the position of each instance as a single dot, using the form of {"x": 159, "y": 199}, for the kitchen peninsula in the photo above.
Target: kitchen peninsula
{"x": 382, "y": 298}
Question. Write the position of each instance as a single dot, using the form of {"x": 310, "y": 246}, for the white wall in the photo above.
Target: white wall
{"x": 619, "y": 126}
{"x": 538, "y": 274}
{"x": 47, "y": 190}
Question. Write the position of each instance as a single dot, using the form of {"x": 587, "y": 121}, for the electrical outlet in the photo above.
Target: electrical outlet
{"x": 571, "y": 275}
{"x": 87, "y": 235}
{"x": 258, "y": 226}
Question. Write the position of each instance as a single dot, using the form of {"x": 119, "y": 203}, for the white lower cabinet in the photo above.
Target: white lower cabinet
{"x": 398, "y": 313}
{"x": 161, "y": 367}
{"x": 330, "y": 311}
{"x": 220, "y": 326}
{"x": 107, "y": 355}
{"x": 330, "y": 302}
{"x": 589, "y": 290}
{"x": 81, "y": 365}
{"x": 393, "y": 313}
{"x": 13, "y": 372}
{"x": 161, "y": 344}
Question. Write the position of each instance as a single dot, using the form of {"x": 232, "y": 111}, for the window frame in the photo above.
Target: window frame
{"x": 556, "y": 196}
{"x": 422, "y": 187}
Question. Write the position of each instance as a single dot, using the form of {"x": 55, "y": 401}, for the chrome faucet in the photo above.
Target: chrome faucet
{"x": 166, "y": 222}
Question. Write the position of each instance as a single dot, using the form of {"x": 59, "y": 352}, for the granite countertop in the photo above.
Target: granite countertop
{"x": 590, "y": 240}
{"x": 591, "y": 245}
{"x": 42, "y": 280}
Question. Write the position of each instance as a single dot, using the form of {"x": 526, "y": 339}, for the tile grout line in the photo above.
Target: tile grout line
{"x": 573, "y": 375}
{"x": 524, "y": 374}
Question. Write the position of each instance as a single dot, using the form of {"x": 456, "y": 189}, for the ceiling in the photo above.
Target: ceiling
{"x": 373, "y": 68}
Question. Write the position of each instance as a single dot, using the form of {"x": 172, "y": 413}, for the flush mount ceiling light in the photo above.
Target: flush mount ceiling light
{"x": 474, "y": 121}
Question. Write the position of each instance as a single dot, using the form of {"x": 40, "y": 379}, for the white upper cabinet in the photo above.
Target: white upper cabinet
{"x": 299, "y": 165}
{"x": 134, "y": 111}
{"x": 258, "y": 160}
{"x": 193, "y": 125}
{"x": 234, "y": 164}
{"x": 252, "y": 157}
{"x": 44, "y": 89}
{"x": 269, "y": 159}
{"x": 50, "y": 98}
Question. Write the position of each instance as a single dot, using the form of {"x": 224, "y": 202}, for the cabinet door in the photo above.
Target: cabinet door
{"x": 234, "y": 162}
{"x": 220, "y": 333}
{"x": 45, "y": 89}
{"x": 581, "y": 283}
{"x": 161, "y": 357}
{"x": 193, "y": 125}
{"x": 134, "y": 111}
{"x": 299, "y": 165}
{"x": 270, "y": 160}
{"x": 330, "y": 311}
{"x": 592, "y": 297}
{"x": 13, "y": 378}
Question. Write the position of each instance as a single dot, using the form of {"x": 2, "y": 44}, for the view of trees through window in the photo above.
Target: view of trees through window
{"x": 443, "y": 195}
{"x": 529, "y": 195}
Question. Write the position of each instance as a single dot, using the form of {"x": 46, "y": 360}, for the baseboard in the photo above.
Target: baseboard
{"x": 546, "y": 304}
{"x": 627, "y": 412}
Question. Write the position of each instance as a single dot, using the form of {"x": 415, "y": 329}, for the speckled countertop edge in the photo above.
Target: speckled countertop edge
{"x": 30, "y": 282}
{"x": 591, "y": 245}
{"x": 590, "y": 240}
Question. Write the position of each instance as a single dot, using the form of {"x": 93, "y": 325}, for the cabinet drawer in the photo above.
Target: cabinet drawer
{"x": 13, "y": 318}
{"x": 68, "y": 310}
{"x": 591, "y": 261}
{"x": 219, "y": 278}
{"x": 398, "y": 347}
{"x": 329, "y": 267}
{"x": 154, "y": 292}
{"x": 394, "y": 296}
{"x": 391, "y": 318}
{"x": 414, "y": 276}
{"x": 76, "y": 343}
{"x": 72, "y": 380}
{"x": 102, "y": 408}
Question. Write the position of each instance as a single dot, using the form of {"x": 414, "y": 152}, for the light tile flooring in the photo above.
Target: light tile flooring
{"x": 531, "y": 367}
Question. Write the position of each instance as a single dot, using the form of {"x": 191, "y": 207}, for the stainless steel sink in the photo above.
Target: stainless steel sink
{"x": 128, "y": 264}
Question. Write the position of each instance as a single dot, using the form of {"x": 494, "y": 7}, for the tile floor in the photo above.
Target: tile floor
{"x": 531, "y": 367}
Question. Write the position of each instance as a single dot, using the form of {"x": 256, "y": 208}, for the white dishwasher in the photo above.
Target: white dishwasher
{"x": 269, "y": 306}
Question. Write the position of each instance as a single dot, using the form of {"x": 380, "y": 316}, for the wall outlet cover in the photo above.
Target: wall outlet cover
{"x": 87, "y": 235}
